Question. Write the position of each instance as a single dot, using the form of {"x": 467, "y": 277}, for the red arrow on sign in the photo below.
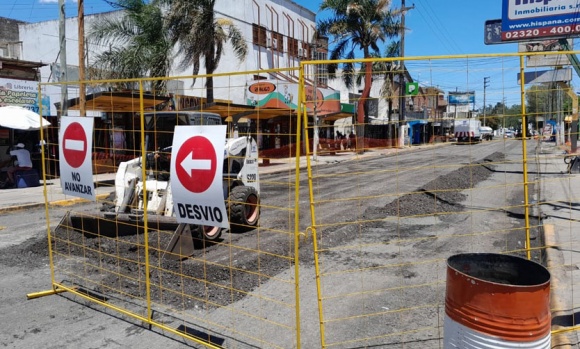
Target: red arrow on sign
{"x": 195, "y": 164}
{"x": 74, "y": 147}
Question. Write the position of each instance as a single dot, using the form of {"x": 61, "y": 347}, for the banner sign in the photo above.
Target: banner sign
{"x": 531, "y": 19}
{"x": 281, "y": 94}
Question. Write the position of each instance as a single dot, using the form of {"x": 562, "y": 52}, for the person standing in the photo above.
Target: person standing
{"x": 24, "y": 163}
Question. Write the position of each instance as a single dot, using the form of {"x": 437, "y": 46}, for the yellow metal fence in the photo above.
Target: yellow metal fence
{"x": 351, "y": 249}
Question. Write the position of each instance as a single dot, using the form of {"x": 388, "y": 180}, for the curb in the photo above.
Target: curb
{"x": 270, "y": 167}
{"x": 61, "y": 203}
{"x": 560, "y": 337}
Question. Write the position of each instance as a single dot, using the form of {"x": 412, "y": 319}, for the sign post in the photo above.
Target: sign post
{"x": 196, "y": 175}
{"x": 76, "y": 170}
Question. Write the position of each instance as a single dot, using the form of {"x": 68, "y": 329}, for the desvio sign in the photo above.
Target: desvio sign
{"x": 196, "y": 175}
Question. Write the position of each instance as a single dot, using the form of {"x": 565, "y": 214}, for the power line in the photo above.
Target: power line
{"x": 438, "y": 27}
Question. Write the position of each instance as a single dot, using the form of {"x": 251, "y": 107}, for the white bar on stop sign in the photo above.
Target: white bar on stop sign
{"x": 73, "y": 144}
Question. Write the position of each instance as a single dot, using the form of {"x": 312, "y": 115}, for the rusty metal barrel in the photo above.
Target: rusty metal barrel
{"x": 496, "y": 301}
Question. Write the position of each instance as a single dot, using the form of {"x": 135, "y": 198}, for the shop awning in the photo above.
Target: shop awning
{"x": 347, "y": 110}
{"x": 237, "y": 111}
{"x": 118, "y": 102}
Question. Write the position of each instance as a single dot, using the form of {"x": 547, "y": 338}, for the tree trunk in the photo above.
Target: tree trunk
{"x": 209, "y": 89}
{"x": 209, "y": 69}
{"x": 360, "y": 127}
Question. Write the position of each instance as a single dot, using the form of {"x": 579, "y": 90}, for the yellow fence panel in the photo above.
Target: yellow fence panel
{"x": 220, "y": 288}
{"x": 414, "y": 178}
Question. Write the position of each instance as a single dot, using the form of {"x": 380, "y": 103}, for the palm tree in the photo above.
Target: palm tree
{"x": 358, "y": 25}
{"x": 193, "y": 26}
{"x": 386, "y": 69}
{"x": 389, "y": 69}
{"x": 138, "y": 44}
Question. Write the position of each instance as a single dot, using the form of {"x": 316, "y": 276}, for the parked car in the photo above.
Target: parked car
{"x": 509, "y": 134}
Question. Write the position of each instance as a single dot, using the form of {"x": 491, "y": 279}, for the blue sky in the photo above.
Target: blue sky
{"x": 435, "y": 28}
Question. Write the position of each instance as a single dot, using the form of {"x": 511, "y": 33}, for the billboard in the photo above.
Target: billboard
{"x": 282, "y": 94}
{"x": 532, "y": 19}
{"x": 461, "y": 97}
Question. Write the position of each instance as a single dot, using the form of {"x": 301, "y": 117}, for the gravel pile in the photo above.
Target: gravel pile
{"x": 445, "y": 193}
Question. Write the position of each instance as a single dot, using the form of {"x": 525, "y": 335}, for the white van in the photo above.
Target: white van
{"x": 467, "y": 130}
{"x": 486, "y": 133}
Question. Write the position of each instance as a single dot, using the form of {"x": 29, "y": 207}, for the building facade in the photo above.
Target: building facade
{"x": 279, "y": 35}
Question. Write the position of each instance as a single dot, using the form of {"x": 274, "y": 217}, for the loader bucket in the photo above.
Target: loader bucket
{"x": 115, "y": 225}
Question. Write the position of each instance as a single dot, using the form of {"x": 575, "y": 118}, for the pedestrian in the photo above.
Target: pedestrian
{"x": 351, "y": 140}
{"x": 24, "y": 163}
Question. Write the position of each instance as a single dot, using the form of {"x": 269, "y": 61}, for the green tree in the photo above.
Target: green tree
{"x": 358, "y": 26}
{"x": 513, "y": 116}
{"x": 540, "y": 101}
{"x": 501, "y": 115}
{"x": 193, "y": 26}
{"x": 138, "y": 45}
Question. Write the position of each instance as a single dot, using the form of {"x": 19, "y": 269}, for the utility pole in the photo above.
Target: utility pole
{"x": 402, "y": 77}
{"x": 485, "y": 84}
{"x": 63, "y": 70}
{"x": 81, "y": 19}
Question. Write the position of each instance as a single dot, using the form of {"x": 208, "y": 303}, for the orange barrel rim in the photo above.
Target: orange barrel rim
{"x": 502, "y": 296}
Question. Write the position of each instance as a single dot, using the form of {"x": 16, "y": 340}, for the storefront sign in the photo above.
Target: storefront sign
{"x": 24, "y": 93}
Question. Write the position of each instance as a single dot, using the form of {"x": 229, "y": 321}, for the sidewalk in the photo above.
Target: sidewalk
{"x": 558, "y": 199}
{"x": 22, "y": 198}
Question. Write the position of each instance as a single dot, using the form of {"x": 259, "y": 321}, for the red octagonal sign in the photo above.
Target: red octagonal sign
{"x": 195, "y": 164}
{"x": 74, "y": 145}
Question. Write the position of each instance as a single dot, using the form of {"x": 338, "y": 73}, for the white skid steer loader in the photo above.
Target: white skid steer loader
{"x": 240, "y": 186}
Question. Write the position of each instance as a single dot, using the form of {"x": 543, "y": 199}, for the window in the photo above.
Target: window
{"x": 259, "y": 35}
{"x": 293, "y": 47}
{"x": 307, "y": 52}
{"x": 322, "y": 69}
{"x": 277, "y": 42}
